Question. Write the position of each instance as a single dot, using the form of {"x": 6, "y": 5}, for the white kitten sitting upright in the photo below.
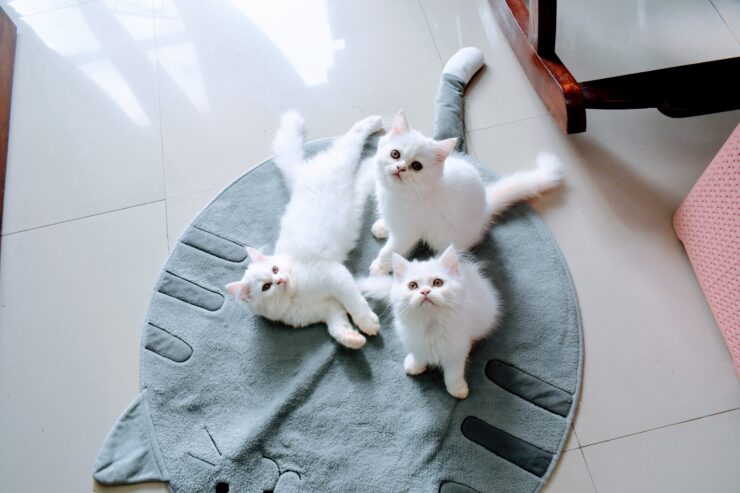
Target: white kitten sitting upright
{"x": 428, "y": 192}
{"x": 441, "y": 307}
{"x": 304, "y": 281}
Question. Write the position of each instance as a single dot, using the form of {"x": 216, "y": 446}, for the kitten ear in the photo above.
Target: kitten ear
{"x": 400, "y": 123}
{"x": 239, "y": 289}
{"x": 255, "y": 255}
{"x": 399, "y": 265}
{"x": 443, "y": 148}
{"x": 450, "y": 261}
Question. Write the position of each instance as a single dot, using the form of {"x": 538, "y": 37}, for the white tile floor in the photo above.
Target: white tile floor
{"x": 129, "y": 115}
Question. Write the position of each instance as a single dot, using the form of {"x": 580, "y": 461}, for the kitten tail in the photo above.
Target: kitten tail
{"x": 288, "y": 146}
{"x": 376, "y": 287}
{"x": 524, "y": 185}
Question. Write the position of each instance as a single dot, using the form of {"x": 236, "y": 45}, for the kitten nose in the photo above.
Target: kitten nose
{"x": 400, "y": 168}
{"x": 280, "y": 280}
{"x": 425, "y": 291}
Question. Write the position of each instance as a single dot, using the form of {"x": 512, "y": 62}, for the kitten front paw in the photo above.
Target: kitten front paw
{"x": 379, "y": 230}
{"x": 412, "y": 366}
{"x": 458, "y": 391}
{"x": 378, "y": 269}
{"x": 351, "y": 339}
{"x": 368, "y": 323}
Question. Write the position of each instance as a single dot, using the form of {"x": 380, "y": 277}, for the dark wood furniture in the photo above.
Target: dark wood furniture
{"x": 7, "y": 58}
{"x": 677, "y": 92}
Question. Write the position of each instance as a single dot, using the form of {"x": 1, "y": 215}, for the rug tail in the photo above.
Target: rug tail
{"x": 130, "y": 453}
{"x": 448, "y": 110}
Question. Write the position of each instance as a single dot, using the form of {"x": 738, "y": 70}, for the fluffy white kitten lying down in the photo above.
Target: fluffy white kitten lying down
{"x": 428, "y": 192}
{"x": 441, "y": 306}
{"x": 305, "y": 281}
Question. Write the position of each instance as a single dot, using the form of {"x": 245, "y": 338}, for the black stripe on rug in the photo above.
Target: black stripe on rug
{"x": 190, "y": 292}
{"x": 529, "y": 387}
{"x": 515, "y": 450}
{"x": 213, "y": 244}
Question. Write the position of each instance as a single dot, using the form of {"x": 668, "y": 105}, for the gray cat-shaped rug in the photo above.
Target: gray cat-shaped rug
{"x": 231, "y": 402}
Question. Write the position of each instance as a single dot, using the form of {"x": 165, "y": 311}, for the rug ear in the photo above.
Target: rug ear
{"x": 450, "y": 261}
{"x": 129, "y": 454}
{"x": 400, "y": 123}
{"x": 239, "y": 289}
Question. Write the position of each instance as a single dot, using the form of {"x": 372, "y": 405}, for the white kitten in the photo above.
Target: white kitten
{"x": 427, "y": 192}
{"x": 305, "y": 281}
{"x": 440, "y": 308}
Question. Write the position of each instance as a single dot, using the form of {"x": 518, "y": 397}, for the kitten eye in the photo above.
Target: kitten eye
{"x": 437, "y": 283}
{"x": 395, "y": 154}
{"x": 413, "y": 285}
{"x": 275, "y": 269}
{"x": 416, "y": 165}
{"x": 266, "y": 286}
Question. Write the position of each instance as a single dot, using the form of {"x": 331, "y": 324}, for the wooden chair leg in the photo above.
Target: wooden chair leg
{"x": 689, "y": 90}
{"x": 678, "y": 92}
{"x": 541, "y": 26}
{"x": 7, "y": 58}
{"x": 532, "y": 37}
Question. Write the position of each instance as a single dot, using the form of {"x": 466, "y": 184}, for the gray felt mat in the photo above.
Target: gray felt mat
{"x": 234, "y": 402}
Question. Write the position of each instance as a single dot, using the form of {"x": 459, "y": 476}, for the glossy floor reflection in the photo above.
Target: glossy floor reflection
{"x": 129, "y": 115}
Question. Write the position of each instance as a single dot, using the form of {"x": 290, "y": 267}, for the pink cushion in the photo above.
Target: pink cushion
{"x": 708, "y": 224}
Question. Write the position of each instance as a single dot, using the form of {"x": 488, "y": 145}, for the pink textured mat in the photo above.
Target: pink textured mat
{"x": 708, "y": 224}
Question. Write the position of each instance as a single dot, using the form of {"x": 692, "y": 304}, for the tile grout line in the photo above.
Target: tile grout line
{"x": 724, "y": 21}
{"x": 210, "y": 189}
{"x": 588, "y": 470}
{"x": 431, "y": 33}
{"x": 661, "y": 427}
{"x": 580, "y": 449}
{"x": 4, "y": 235}
{"x": 161, "y": 132}
{"x": 506, "y": 123}
{"x": 575, "y": 433}
{"x": 164, "y": 194}
{"x": 469, "y": 144}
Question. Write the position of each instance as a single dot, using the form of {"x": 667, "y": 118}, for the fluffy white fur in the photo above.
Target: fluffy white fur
{"x": 440, "y": 308}
{"x": 428, "y": 192}
{"x": 305, "y": 281}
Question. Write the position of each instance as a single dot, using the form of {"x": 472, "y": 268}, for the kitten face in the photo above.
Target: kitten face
{"x": 267, "y": 280}
{"x": 408, "y": 160}
{"x": 427, "y": 285}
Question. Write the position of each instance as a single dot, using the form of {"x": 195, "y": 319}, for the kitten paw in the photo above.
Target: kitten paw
{"x": 369, "y": 125}
{"x": 458, "y": 391}
{"x": 379, "y": 230}
{"x": 351, "y": 339}
{"x": 412, "y": 366}
{"x": 368, "y": 323}
{"x": 378, "y": 269}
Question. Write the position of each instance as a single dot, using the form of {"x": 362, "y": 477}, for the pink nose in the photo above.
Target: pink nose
{"x": 400, "y": 168}
{"x": 281, "y": 281}
{"x": 425, "y": 291}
